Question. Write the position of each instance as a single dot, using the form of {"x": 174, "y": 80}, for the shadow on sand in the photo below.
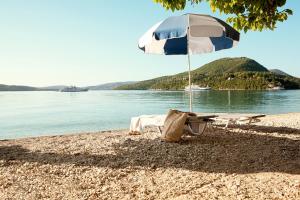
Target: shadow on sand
{"x": 268, "y": 129}
{"x": 217, "y": 152}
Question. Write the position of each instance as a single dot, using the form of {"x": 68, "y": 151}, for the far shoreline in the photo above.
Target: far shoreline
{"x": 159, "y": 90}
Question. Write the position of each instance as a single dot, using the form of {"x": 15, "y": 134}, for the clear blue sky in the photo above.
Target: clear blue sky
{"x": 90, "y": 42}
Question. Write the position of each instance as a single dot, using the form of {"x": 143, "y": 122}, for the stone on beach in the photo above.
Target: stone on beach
{"x": 244, "y": 162}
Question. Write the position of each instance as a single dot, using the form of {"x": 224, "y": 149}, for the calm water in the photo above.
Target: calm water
{"x": 24, "y": 114}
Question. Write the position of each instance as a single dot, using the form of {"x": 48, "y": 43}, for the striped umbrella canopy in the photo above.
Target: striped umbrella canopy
{"x": 189, "y": 34}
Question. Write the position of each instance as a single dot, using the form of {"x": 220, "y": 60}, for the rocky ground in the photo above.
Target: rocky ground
{"x": 243, "y": 162}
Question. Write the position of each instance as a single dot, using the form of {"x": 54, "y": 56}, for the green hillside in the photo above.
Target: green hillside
{"x": 277, "y": 71}
{"x": 231, "y": 65}
{"x": 225, "y": 73}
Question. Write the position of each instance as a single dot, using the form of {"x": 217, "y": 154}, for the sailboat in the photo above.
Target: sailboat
{"x": 196, "y": 88}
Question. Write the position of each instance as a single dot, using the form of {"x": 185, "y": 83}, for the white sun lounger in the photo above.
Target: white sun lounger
{"x": 237, "y": 118}
{"x": 138, "y": 124}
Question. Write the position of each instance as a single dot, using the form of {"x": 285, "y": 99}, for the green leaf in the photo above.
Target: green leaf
{"x": 289, "y": 11}
{"x": 245, "y": 15}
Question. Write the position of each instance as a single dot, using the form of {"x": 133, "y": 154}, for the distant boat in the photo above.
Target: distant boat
{"x": 196, "y": 88}
{"x": 73, "y": 89}
{"x": 276, "y": 88}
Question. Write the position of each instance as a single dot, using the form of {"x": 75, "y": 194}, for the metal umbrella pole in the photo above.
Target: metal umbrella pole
{"x": 189, "y": 61}
{"x": 190, "y": 85}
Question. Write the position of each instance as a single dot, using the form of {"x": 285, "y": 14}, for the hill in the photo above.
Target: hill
{"x": 225, "y": 73}
{"x": 279, "y": 72}
{"x": 106, "y": 86}
{"x": 29, "y": 88}
{"x": 17, "y": 88}
{"x": 109, "y": 86}
{"x": 231, "y": 65}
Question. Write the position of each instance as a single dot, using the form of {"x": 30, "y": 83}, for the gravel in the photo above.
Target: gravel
{"x": 242, "y": 162}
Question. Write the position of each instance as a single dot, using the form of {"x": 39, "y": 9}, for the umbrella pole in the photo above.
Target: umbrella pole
{"x": 190, "y": 85}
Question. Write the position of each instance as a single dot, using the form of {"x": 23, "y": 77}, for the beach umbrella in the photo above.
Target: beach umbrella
{"x": 189, "y": 34}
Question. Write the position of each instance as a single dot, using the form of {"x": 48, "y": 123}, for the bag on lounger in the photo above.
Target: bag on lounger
{"x": 174, "y": 126}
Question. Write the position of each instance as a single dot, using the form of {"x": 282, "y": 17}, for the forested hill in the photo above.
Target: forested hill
{"x": 231, "y": 65}
{"x": 106, "y": 86}
{"x": 225, "y": 73}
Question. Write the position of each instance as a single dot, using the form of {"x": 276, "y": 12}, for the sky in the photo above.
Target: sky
{"x": 90, "y": 42}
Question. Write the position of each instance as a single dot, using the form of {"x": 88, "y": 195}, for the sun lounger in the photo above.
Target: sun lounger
{"x": 236, "y": 118}
{"x": 138, "y": 124}
{"x": 195, "y": 125}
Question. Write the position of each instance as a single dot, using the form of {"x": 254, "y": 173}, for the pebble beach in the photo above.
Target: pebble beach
{"x": 260, "y": 161}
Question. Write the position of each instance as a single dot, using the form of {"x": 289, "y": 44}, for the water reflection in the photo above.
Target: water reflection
{"x": 36, "y": 113}
{"x": 228, "y": 101}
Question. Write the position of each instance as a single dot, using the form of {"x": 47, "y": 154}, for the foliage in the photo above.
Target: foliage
{"x": 231, "y": 65}
{"x": 244, "y": 14}
{"x": 227, "y": 73}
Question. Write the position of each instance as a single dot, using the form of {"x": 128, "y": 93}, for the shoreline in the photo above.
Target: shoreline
{"x": 254, "y": 162}
{"x": 159, "y": 90}
{"x": 66, "y": 134}
{"x": 121, "y": 129}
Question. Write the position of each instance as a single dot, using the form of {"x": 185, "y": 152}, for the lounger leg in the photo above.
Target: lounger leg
{"x": 159, "y": 129}
{"x": 200, "y": 129}
{"x": 203, "y": 128}
{"x": 250, "y": 121}
{"x": 209, "y": 126}
{"x": 190, "y": 130}
{"x": 249, "y": 125}
{"x": 227, "y": 124}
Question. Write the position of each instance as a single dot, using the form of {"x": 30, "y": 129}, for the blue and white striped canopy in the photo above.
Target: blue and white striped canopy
{"x": 189, "y": 34}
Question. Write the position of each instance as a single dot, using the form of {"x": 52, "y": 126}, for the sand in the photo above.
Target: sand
{"x": 242, "y": 162}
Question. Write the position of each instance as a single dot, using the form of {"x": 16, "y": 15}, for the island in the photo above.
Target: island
{"x": 240, "y": 73}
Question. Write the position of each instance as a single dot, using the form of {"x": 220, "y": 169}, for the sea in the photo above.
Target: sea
{"x": 39, "y": 113}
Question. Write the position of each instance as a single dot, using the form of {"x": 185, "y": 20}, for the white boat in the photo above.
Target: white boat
{"x": 74, "y": 89}
{"x": 277, "y": 88}
{"x": 196, "y": 88}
